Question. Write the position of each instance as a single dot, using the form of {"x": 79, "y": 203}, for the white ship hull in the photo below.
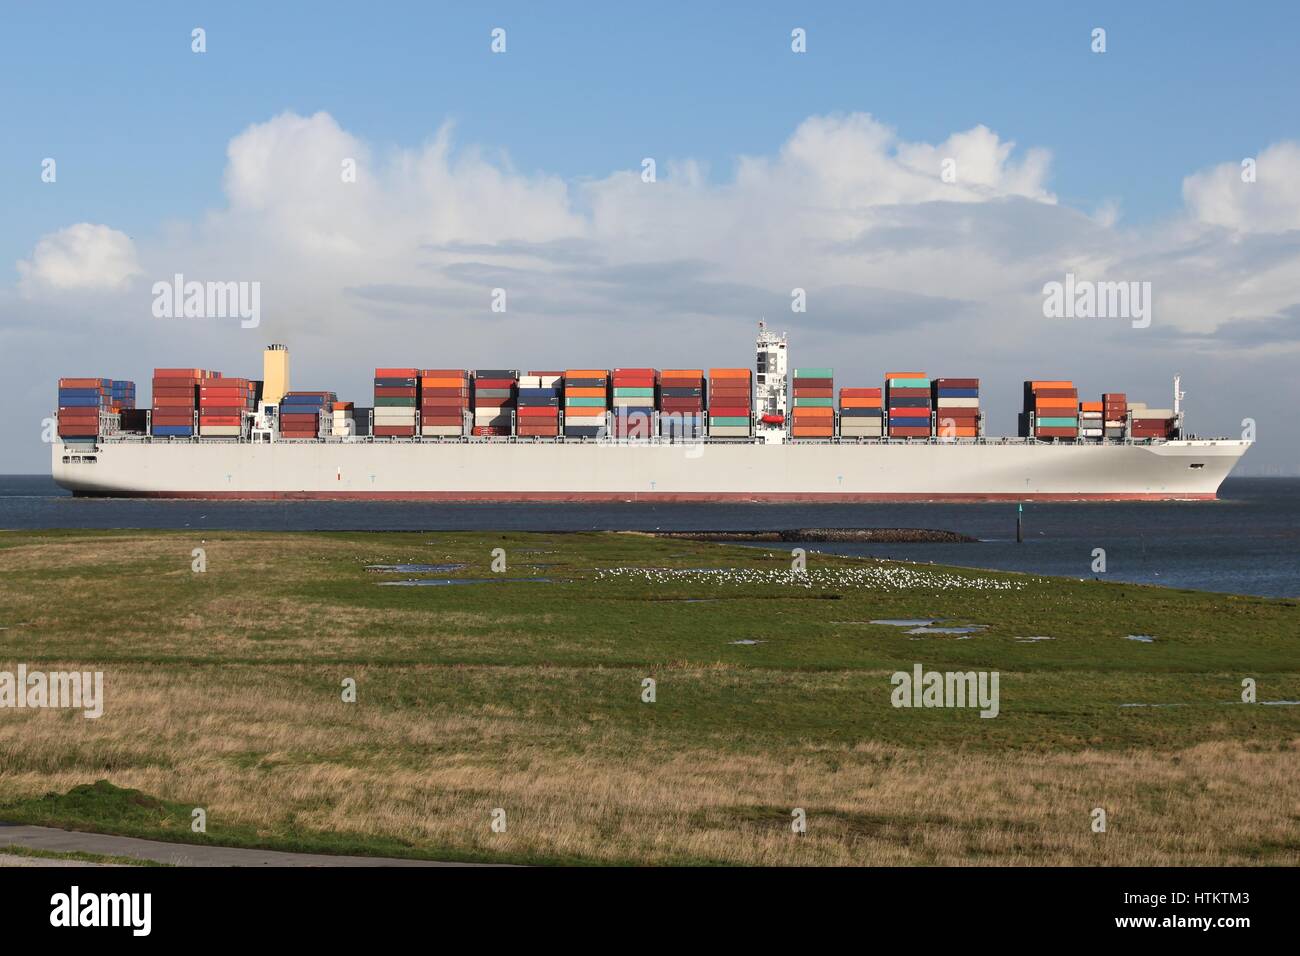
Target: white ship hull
{"x": 504, "y": 470}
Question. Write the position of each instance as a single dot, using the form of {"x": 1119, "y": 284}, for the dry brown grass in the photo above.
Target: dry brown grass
{"x": 274, "y": 748}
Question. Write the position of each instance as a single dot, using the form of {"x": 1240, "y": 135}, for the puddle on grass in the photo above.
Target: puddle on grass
{"x": 1280, "y": 703}
{"x": 1140, "y": 638}
{"x": 1033, "y": 640}
{"x": 415, "y": 568}
{"x": 1153, "y": 705}
{"x": 973, "y": 629}
{"x": 746, "y": 641}
{"x": 447, "y": 582}
{"x": 903, "y": 622}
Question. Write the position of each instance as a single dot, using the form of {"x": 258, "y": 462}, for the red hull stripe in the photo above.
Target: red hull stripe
{"x": 703, "y": 497}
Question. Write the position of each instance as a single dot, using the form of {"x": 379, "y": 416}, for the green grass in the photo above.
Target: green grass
{"x": 514, "y": 678}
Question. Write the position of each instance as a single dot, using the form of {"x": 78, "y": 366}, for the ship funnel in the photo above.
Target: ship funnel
{"x": 275, "y": 373}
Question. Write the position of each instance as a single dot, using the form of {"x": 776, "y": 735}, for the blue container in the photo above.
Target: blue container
{"x": 861, "y": 413}
{"x": 170, "y": 431}
{"x": 909, "y": 421}
{"x": 959, "y": 393}
{"x": 68, "y": 401}
{"x": 909, "y": 403}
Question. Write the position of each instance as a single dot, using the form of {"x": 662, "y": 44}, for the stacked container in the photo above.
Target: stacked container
{"x": 681, "y": 402}
{"x": 121, "y": 394}
{"x": 731, "y": 400}
{"x": 176, "y": 399}
{"x": 1114, "y": 412}
{"x": 586, "y": 400}
{"x": 1090, "y": 422}
{"x": 222, "y": 403}
{"x": 343, "y": 416}
{"x": 494, "y": 400}
{"x": 634, "y": 402}
{"x": 300, "y": 413}
{"x": 80, "y": 402}
{"x": 444, "y": 402}
{"x": 538, "y": 405}
{"x": 861, "y": 413}
{"x": 1151, "y": 422}
{"x": 907, "y": 403}
{"x": 814, "y": 403}
{"x": 397, "y": 412}
{"x": 956, "y": 407}
{"x": 1054, "y": 406}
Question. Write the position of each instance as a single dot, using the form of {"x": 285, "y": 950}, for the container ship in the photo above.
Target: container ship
{"x": 765, "y": 434}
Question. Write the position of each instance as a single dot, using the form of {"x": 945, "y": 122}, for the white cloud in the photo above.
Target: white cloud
{"x": 82, "y": 257}
{"x": 1269, "y": 204}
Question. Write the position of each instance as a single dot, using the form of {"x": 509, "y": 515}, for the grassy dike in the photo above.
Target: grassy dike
{"x": 223, "y": 691}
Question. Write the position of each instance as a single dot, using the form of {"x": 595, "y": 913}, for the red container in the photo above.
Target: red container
{"x": 909, "y": 393}
{"x": 491, "y": 430}
{"x": 219, "y": 420}
{"x": 538, "y": 411}
{"x": 400, "y": 373}
{"x": 493, "y": 402}
{"x": 1057, "y": 432}
{"x": 728, "y": 411}
{"x": 441, "y": 420}
{"x": 814, "y": 382}
{"x": 495, "y": 382}
{"x": 383, "y": 391}
{"x": 1056, "y": 393}
{"x": 860, "y": 392}
{"x": 445, "y": 392}
{"x": 538, "y": 431}
{"x": 957, "y": 382}
{"x": 394, "y": 431}
{"x": 207, "y": 411}
{"x": 801, "y": 392}
{"x": 908, "y": 431}
{"x": 945, "y": 412}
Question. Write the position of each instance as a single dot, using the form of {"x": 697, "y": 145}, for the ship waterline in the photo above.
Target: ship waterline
{"x": 708, "y": 471}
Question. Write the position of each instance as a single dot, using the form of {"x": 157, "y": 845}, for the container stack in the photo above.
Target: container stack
{"x": 731, "y": 399}
{"x": 634, "y": 401}
{"x": 1151, "y": 422}
{"x": 586, "y": 399}
{"x": 300, "y": 413}
{"x": 1114, "y": 409}
{"x": 956, "y": 407}
{"x": 1054, "y": 406}
{"x": 121, "y": 394}
{"x": 907, "y": 402}
{"x": 80, "y": 401}
{"x": 343, "y": 415}
{"x": 814, "y": 403}
{"x": 861, "y": 413}
{"x": 444, "y": 402}
{"x": 538, "y": 405}
{"x": 176, "y": 399}
{"x": 1090, "y": 421}
{"x": 222, "y": 404}
{"x": 493, "y": 396}
{"x": 681, "y": 402}
{"x": 397, "y": 412}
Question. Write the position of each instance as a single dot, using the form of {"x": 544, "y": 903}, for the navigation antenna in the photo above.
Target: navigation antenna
{"x": 1179, "y": 395}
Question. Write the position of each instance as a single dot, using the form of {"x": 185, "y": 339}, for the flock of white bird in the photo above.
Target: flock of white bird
{"x": 884, "y": 577}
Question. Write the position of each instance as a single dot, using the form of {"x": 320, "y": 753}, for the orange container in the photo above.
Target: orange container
{"x": 729, "y": 373}
{"x": 1090, "y": 406}
{"x": 586, "y": 373}
{"x": 803, "y": 412}
{"x": 585, "y": 391}
{"x": 682, "y": 373}
{"x": 444, "y": 382}
{"x": 1035, "y": 386}
{"x": 861, "y": 403}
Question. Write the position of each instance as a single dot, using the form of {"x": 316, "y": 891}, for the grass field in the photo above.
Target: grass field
{"x": 224, "y": 691}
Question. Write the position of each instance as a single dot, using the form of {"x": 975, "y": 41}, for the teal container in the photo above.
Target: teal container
{"x": 909, "y": 382}
{"x": 814, "y": 403}
{"x": 730, "y": 421}
{"x": 383, "y": 403}
{"x": 634, "y": 393}
{"x": 584, "y": 402}
{"x": 1057, "y": 422}
{"x": 814, "y": 373}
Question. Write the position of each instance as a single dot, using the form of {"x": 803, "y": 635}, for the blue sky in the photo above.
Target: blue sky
{"x": 139, "y": 123}
{"x": 777, "y": 171}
